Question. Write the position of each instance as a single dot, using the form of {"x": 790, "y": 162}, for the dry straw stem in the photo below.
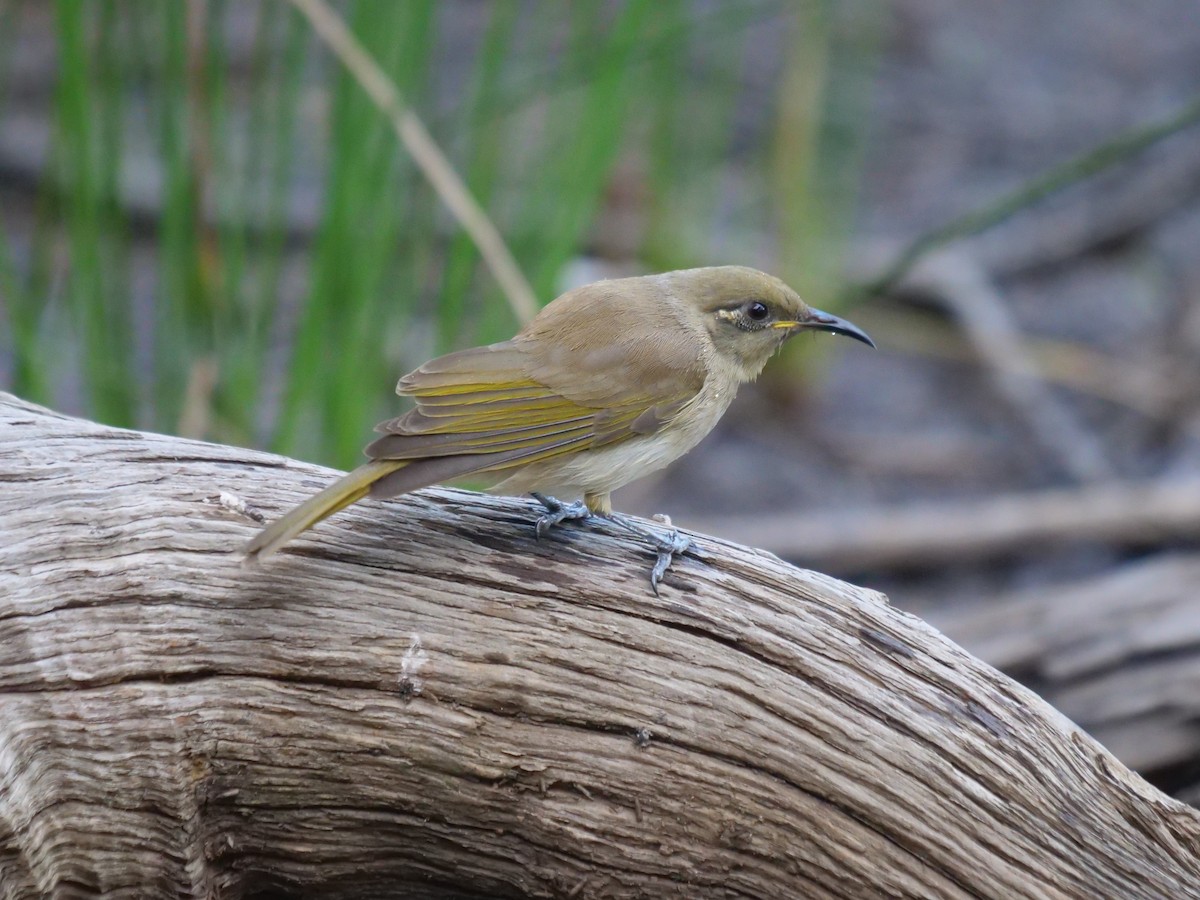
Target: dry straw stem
{"x": 426, "y": 153}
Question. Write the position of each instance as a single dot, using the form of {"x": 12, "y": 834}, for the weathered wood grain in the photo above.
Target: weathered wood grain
{"x": 419, "y": 700}
{"x": 1119, "y": 653}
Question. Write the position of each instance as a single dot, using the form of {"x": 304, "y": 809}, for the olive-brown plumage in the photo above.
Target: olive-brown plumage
{"x": 609, "y": 382}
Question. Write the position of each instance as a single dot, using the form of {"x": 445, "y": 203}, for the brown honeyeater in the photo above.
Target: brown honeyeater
{"x": 609, "y": 382}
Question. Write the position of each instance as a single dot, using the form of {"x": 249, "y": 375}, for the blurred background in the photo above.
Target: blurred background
{"x": 207, "y": 229}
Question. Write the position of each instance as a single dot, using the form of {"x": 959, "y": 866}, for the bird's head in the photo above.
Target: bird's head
{"x": 750, "y": 314}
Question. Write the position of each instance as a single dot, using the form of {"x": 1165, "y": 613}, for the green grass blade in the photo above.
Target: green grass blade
{"x": 85, "y": 105}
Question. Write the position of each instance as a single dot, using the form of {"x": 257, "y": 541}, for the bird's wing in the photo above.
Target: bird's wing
{"x": 521, "y": 401}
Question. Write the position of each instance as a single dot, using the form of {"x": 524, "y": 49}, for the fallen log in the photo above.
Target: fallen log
{"x": 1118, "y": 653}
{"x": 926, "y": 535}
{"x": 418, "y": 699}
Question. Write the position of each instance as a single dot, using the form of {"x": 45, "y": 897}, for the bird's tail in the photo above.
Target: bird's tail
{"x": 346, "y": 490}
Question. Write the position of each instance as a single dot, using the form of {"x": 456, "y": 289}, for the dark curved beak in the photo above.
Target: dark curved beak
{"x": 823, "y": 321}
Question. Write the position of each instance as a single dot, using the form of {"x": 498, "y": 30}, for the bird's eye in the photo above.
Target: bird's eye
{"x": 757, "y": 310}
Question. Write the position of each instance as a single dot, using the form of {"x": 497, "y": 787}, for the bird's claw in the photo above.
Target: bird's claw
{"x": 667, "y": 543}
{"x": 558, "y": 512}
{"x": 668, "y": 546}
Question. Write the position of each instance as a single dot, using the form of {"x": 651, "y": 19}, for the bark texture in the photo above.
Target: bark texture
{"x": 417, "y": 699}
{"x": 1119, "y": 653}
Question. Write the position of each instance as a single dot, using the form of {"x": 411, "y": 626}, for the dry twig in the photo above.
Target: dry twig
{"x": 954, "y": 280}
{"x": 1118, "y": 150}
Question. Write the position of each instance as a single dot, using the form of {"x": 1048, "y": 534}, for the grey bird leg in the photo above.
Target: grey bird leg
{"x": 668, "y": 545}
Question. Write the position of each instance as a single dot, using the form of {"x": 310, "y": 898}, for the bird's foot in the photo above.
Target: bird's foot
{"x": 558, "y": 512}
{"x": 667, "y": 544}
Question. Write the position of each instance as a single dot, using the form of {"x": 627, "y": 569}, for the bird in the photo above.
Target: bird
{"x": 607, "y": 383}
